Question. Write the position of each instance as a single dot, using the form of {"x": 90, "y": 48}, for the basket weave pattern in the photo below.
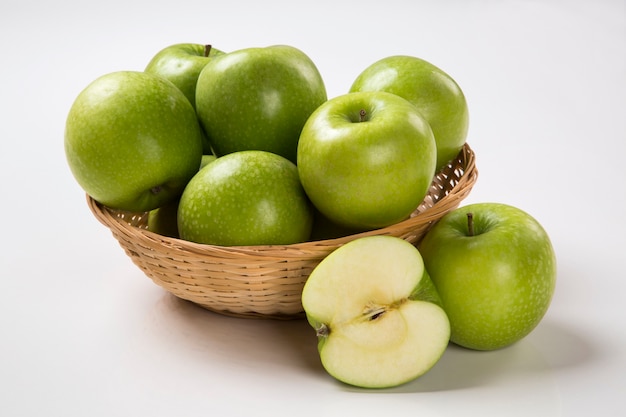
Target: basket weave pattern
{"x": 264, "y": 281}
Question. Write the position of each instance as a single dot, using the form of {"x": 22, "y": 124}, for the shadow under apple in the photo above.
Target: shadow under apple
{"x": 549, "y": 347}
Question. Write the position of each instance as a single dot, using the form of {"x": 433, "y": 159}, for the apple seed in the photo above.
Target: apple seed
{"x": 373, "y": 312}
{"x": 377, "y": 315}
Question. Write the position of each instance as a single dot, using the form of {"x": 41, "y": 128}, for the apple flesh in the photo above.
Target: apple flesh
{"x": 376, "y": 313}
{"x": 437, "y": 96}
{"x": 494, "y": 270}
{"x": 132, "y": 140}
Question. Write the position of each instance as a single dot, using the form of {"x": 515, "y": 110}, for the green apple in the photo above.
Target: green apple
{"x": 245, "y": 198}
{"x": 132, "y": 140}
{"x": 258, "y": 99}
{"x": 206, "y": 160}
{"x": 437, "y": 96}
{"x": 181, "y": 64}
{"x": 366, "y": 160}
{"x": 324, "y": 228}
{"x": 376, "y": 313}
{"x": 495, "y": 270}
{"x": 163, "y": 220}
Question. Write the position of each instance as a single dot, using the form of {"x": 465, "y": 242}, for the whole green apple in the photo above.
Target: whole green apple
{"x": 495, "y": 270}
{"x": 132, "y": 140}
{"x": 437, "y": 96}
{"x": 245, "y": 198}
{"x": 181, "y": 64}
{"x": 366, "y": 160}
{"x": 258, "y": 99}
{"x": 376, "y": 313}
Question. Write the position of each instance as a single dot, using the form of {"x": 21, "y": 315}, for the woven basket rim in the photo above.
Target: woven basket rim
{"x": 265, "y": 281}
{"x": 110, "y": 218}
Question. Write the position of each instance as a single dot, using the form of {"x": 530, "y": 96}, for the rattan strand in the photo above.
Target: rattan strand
{"x": 264, "y": 281}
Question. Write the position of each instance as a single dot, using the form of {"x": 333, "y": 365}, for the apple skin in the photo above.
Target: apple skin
{"x": 497, "y": 284}
{"x": 181, "y": 64}
{"x": 132, "y": 140}
{"x": 369, "y": 174}
{"x": 324, "y": 228}
{"x": 206, "y": 160}
{"x": 245, "y": 198}
{"x": 437, "y": 96}
{"x": 376, "y": 313}
{"x": 258, "y": 99}
{"x": 164, "y": 220}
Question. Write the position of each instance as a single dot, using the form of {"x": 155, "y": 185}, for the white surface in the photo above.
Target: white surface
{"x": 85, "y": 333}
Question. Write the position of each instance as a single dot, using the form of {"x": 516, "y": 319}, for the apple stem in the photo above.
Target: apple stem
{"x": 207, "y": 50}
{"x": 322, "y": 331}
{"x": 362, "y": 115}
{"x": 470, "y": 224}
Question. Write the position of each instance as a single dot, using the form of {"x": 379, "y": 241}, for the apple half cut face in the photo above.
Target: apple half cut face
{"x": 376, "y": 313}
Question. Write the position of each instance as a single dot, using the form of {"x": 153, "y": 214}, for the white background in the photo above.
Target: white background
{"x": 85, "y": 333}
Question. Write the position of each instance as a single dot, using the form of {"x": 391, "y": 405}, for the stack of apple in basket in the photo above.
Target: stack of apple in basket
{"x": 230, "y": 178}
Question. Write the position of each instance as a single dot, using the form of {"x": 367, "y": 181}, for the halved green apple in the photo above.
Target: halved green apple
{"x": 377, "y": 314}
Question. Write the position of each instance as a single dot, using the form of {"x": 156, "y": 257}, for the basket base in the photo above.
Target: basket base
{"x": 252, "y": 314}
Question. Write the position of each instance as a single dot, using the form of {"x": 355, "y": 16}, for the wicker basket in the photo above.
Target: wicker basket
{"x": 264, "y": 281}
